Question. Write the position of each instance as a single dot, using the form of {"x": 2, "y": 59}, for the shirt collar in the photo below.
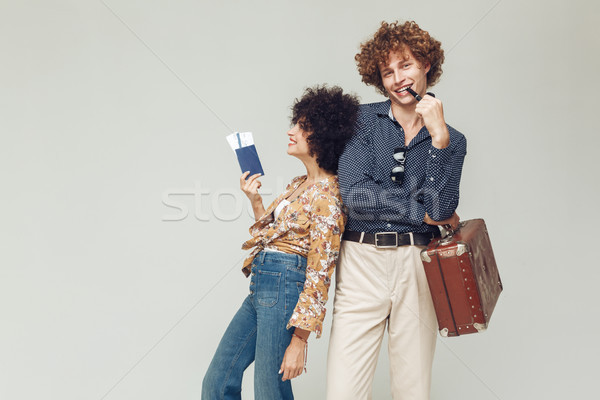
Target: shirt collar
{"x": 391, "y": 114}
{"x": 384, "y": 109}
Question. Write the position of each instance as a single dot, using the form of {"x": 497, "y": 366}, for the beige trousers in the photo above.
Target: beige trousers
{"x": 378, "y": 288}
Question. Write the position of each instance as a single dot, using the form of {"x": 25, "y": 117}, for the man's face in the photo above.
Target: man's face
{"x": 401, "y": 72}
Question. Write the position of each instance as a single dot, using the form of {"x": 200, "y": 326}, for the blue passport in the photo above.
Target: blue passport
{"x": 248, "y": 159}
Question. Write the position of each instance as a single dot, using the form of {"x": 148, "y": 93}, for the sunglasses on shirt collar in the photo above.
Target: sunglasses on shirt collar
{"x": 397, "y": 173}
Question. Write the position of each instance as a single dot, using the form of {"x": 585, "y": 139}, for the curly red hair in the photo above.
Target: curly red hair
{"x": 392, "y": 38}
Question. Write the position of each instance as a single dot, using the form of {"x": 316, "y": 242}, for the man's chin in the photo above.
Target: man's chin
{"x": 401, "y": 100}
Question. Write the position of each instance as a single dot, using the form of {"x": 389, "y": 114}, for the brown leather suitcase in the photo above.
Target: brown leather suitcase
{"x": 463, "y": 278}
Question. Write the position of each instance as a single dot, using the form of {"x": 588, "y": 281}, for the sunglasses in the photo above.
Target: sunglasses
{"x": 397, "y": 174}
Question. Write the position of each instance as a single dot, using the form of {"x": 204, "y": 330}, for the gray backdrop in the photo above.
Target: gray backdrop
{"x": 122, "y": 217}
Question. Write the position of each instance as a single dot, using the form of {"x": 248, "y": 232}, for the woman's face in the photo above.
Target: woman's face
{"x": 298, "y": 146}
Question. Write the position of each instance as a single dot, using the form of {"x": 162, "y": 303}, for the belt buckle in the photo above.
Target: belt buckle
{"x": 395, "y": 234}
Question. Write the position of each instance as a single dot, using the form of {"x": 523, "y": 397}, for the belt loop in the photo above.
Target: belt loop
{"x": 412, "y": 238}
{"x": 362, "y": 235}
{"x": 261, "y": 257}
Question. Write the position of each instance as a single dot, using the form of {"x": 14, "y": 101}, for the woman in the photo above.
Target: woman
{"x": 295, "y": 245}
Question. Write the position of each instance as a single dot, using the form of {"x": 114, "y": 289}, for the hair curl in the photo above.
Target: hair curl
{"x": 329, "y": 116}
{"x": 394, "y": 37}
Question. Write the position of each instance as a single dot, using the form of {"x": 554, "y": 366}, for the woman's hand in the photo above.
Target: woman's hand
{"x": 293, "y": 360}
{"x": 250, "y": 188}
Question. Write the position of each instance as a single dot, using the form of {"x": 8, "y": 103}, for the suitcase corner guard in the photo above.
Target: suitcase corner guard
{"x": 424, "y": 256}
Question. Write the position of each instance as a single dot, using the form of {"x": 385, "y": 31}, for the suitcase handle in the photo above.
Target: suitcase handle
{"x": 447, "y": 238}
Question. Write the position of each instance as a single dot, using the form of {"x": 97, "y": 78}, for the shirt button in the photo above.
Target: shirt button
{"x": 431, "y": 179}
{"x": 389, "y": 225}
{"x": 252, "y": 292}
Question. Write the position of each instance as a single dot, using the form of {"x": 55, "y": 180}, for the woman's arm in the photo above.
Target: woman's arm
{"x": 327, "y": 226}
{"x": 250, "y": 187}
{"x": 294, "y": 358}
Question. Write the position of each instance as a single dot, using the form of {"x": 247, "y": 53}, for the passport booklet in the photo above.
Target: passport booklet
{"x": 243, "y": 146}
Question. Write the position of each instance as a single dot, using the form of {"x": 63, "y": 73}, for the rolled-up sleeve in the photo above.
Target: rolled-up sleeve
{"x": 442, "y": 179}
{"x": 327, "y": 226}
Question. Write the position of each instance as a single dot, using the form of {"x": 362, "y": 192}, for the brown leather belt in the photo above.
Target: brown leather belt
{"x": 390, "y": 239}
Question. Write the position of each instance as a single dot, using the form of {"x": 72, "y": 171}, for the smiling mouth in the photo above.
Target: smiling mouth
{"x": 403, "y": 89}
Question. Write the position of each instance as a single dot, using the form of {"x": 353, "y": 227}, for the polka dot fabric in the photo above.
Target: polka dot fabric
{"x": 431, "y": 179}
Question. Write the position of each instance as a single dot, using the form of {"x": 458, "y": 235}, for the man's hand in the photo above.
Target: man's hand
{"x": 293, "y": 359}
{"x": 431, "y": 111}
{"x": 453, "y": 221}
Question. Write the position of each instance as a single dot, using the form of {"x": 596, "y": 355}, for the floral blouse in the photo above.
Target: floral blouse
{"x": 310, "y": 226}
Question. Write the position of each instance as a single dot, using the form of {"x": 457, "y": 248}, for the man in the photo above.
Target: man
{"x": 399, "y": 177}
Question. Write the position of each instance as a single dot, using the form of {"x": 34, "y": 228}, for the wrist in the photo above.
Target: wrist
{"x": 440, "y": 141}
{"x": 440, "y": 138}
{"x": 302, "y": 342}
{"x": 441, "y": 144}
{"x": 427, "y": 219}
{"x": 299, "y": 339}
{"x": 256, "y": 202}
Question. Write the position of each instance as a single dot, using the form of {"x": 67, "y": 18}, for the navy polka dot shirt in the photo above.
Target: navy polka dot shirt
{"x": 432, "y": 176}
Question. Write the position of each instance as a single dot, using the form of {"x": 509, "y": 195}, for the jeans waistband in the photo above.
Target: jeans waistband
{"x": 284, "y": 258}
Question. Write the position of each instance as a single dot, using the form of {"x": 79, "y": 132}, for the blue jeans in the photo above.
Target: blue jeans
{"x": 258, "y": 332}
